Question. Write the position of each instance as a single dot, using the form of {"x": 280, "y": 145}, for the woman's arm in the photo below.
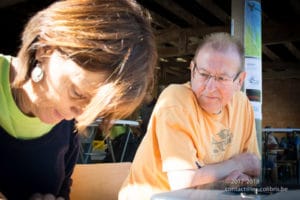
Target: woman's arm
{"x": 70, "y": 162}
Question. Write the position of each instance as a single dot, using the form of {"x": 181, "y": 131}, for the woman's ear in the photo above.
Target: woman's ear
{"x": 43, "y": 53}
{"x": 240, "y": 80}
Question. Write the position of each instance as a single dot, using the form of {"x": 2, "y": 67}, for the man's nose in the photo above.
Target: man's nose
{"x": 211, "y": 83}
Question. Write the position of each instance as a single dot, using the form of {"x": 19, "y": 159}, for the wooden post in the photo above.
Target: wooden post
{"x": 246, "y": 26}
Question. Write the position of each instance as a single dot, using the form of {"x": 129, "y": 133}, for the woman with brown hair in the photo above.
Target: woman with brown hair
{"x": 79, "y": 60}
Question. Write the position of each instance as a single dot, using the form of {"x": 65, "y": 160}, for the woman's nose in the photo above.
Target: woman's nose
{"x": 76, "y": 111}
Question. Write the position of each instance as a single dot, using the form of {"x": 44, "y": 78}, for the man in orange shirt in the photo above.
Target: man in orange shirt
{"x": 201, "y": 131}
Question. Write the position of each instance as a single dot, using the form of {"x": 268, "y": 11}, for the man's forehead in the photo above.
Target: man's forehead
{"x": 209, "y": 53}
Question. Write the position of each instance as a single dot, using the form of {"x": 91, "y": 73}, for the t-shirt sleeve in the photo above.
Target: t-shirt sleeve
{"x": 174, "y": 129}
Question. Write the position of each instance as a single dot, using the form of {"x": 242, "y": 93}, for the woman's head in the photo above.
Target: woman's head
{"x": 110, "y": 37}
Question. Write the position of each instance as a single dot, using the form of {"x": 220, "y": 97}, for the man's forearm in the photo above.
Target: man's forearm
{"x": 207, "y": 174}
{"x": 245, "y": 163}
{"x": 214, "y": 172}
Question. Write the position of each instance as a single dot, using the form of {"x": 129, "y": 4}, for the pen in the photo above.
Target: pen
{"x": 197, "y": 164}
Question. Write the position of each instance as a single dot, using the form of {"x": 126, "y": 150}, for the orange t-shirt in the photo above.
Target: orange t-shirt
{"x": 181, "y": 133}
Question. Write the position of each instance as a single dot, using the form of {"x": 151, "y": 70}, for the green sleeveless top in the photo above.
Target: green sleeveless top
{"x": 12, "y": 119}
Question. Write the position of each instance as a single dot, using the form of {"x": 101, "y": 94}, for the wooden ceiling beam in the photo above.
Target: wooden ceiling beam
{"x": 166, "y": 52}
{"x": 215, "y": 10}
{"x": 280, "y": 33}
{"x": 270, "y": 54}
{"x": 175, "y": 73}
{"x": 292, "y": 49}
{"x": 286, "y": 74}
{"x": 174, "y": 33}
{"x": 177, "y": 65}
{"x": 161, "y": 21}
{"x": 280, "y": 65}
{"x": 179, "y": 11}
{"x": 180, "y": 69}
{"x": 271, "y": 35}
{"x": 6, "y": 3}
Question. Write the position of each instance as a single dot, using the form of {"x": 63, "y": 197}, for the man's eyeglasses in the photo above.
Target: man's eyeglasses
{"x": 223, "y": 80}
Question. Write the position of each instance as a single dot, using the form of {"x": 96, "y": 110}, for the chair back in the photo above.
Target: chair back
{"x": 98, "y": 181}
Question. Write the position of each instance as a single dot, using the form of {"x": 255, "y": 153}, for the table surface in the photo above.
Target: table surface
{"x": 214, "y": 191}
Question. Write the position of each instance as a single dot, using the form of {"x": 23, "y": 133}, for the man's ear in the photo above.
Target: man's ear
{"x": 192, "y": 65}
{"x": 240, "y": 80}
{"x": 191, "y": 68}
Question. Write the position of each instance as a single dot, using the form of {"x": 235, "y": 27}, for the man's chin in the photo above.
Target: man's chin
{"x": 212, "y": 111}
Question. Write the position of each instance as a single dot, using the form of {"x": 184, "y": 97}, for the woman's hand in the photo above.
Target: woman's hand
{"x": 38, "y": 196}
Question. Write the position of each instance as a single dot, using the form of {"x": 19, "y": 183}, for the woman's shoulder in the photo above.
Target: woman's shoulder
{"x": 4, "y": 57}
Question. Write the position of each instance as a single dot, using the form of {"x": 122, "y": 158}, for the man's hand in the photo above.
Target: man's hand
{"x": 249, "y": 164}
{"x": 237, "y": 175}
{"x": 246, "y": 165}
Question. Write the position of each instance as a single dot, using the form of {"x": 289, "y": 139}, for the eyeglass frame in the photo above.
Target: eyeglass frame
{"x": 216, "y": 78}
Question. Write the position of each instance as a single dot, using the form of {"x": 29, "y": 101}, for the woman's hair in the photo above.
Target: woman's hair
{"x": 223, "y": 42}
{"x": 113, "y": 37}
